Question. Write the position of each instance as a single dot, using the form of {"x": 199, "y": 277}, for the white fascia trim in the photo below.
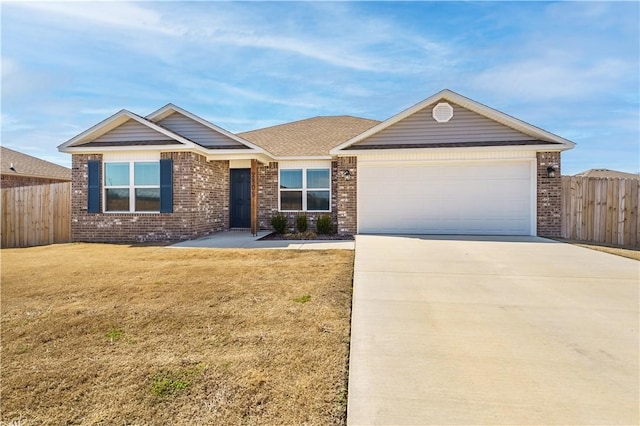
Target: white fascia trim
{"x": 470, "y": 104}
{"x": 303, "y": 157}
{"x": 163, "y": 148}
{"x": 116, "y": 120}
{"x": 262, "y": 159}
{"x": 169, "y": 109}
{"x": 537, "y": 148}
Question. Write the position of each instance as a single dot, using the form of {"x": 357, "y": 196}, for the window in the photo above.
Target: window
{"x": 132, "y": 186}
{"x": 305, "y": 190}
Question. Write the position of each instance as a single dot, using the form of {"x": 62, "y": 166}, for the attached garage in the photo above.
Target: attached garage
{"x": 451, "y": 197}
{"x": 450, "y": 165}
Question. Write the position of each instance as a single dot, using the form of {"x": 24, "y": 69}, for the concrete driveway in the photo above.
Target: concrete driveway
{"x": 492, "y": 330}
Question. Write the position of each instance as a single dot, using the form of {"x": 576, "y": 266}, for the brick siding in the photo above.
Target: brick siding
{"x": 200, "y": 204}
{"x": 347, "y": 193}
{"x": 201, "y": 201}
{"x": 267, "y": 194}
{"x": 268, "y": 198}
{"x": 549, "y": 195}
{"x": 14, "y": 181}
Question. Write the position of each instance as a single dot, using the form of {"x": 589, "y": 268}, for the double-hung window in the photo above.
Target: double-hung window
{"x": 305, "y": 190}
{"x": 132, "y": 186}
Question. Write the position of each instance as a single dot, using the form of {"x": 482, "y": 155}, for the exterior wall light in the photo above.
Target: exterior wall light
{"x": 551, "y": 171}
{"x": 346, "y": 175}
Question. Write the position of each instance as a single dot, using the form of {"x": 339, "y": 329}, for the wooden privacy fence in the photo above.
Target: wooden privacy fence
{"x": 601, "y": 210}
{"x": 36, "y": 215}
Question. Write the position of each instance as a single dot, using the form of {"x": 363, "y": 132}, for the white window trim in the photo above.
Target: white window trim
{"x": 304, "y": 189}
{"x": 131, "y": 187}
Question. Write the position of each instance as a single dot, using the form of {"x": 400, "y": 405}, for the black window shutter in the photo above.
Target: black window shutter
{"x": 93, "y": 202}
{"x": 166, "y": 185}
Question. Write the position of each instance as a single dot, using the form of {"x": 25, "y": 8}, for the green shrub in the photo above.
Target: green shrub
{"x": 279, "y": 223}
{"x": 324, "y": 224}
{"x": 301, "y": 223}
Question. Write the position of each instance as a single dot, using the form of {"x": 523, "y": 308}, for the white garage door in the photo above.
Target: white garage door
{"x": 490, "y": 198}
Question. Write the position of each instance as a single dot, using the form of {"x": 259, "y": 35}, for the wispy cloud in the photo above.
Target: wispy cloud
{"x": 547, "y": 78}
{"x": 109, "y": 14}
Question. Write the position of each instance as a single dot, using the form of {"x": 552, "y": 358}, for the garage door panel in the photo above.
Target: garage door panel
{"x": 478, "y": 198}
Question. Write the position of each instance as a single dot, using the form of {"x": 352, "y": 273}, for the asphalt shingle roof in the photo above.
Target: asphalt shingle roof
{"x": 310, "y": 137}
{"x": 606, "y": 173}
{"x": 26, "y": 165}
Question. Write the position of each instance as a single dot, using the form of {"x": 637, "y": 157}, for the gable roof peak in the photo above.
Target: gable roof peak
{"x": 113, "y": 122}
{"x": 170, "y": 108}
{"x": 469, "y": 104}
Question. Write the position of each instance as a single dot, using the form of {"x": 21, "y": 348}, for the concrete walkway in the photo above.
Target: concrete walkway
{"x": 242, "y": 239}
{"x": 464, "y": 330}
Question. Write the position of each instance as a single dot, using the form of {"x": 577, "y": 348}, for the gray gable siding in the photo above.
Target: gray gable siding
{"x": 131, "y": 131}
{"x": 465, "y": 127}
{"x": 199, "y": 133}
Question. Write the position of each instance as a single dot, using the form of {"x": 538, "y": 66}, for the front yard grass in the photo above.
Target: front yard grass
{"x": 631, "y": 253}
{"x": 112, "y": 334}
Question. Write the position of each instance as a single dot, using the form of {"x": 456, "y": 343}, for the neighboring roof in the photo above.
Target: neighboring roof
{"x": 606, "y": 173}
{"x": 448, "y": 95}
{"x": 311, "y": 137}
{"x": 26, "y": 165}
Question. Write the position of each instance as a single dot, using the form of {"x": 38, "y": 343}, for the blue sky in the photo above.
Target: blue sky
{"x": 571, "y": 68}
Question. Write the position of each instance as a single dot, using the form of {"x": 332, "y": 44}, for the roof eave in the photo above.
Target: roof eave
{"x": 535, "y": 148}
{"x": 235, "y": 155}
{"x": 210, "y": 154}
{"x": 303, "y": 157}
{"x": 32, "y": 175}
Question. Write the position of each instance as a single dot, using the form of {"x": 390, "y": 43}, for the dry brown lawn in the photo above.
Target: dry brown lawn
{"x": 112, "y": 334}
{"x": 631, "y": 253}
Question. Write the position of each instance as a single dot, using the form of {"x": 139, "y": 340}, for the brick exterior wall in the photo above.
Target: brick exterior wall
{"x": 347, "y": 192}
{"x": 201, "y": 201}
{"x": 267, "y": 194}
{"x": 549, "y": 195}
{"x": 200, "y": 204}
{"x": 14, "y": 181}
{"x": 268, "y": 198}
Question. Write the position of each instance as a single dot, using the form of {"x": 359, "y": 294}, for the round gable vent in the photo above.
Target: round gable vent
{"x": 442, "y": 112}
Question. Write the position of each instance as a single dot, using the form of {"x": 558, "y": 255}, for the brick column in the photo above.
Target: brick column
{"x": 347, "y": 194}
{"x": 267, "y": 194}
{"x": 80, "y": 194}
{"x": 549, "y": 195}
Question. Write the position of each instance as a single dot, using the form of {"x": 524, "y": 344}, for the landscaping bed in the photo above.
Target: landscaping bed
{"x": 306, "y": 236}
{"x": 113, "y": 334}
